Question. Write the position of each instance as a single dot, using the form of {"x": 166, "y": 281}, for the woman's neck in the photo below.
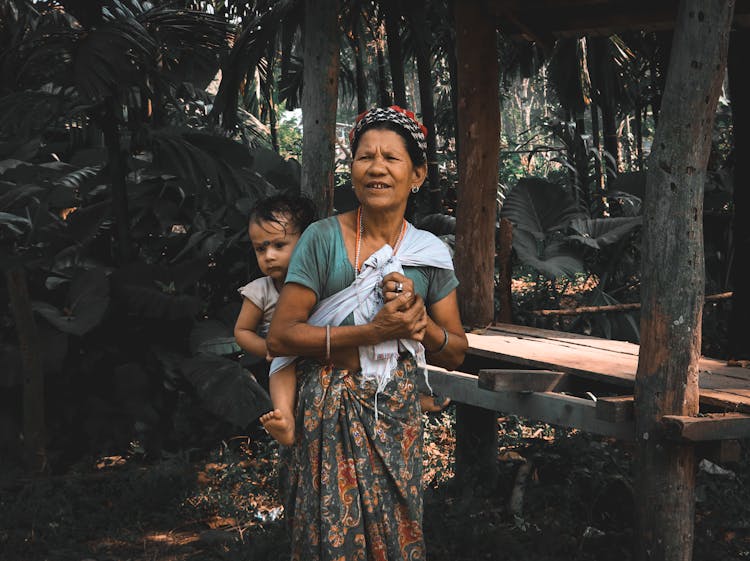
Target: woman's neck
{"x": 382, "y": 226}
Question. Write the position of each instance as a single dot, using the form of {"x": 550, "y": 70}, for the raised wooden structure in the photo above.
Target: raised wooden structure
{"x": 585, "y": 382}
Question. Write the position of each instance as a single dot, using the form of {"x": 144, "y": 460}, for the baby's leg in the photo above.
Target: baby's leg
{"x": 280, "y": 422}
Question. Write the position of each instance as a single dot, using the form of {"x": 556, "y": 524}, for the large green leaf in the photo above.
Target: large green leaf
{"x": 552, "y": 257}
{"x": 154, "y": 291}
{"x": 226, "y": 389}
{"x": 539, "y": 207}
{"x": 85, "y": 306}
{"x": 601, "y": 232}
{"x": 213, "y": 337}
{"x": 17, "y": 225}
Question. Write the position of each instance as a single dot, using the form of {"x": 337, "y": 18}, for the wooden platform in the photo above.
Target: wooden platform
{"x": 584, "y": 382}
{"x": 602, "y": 360}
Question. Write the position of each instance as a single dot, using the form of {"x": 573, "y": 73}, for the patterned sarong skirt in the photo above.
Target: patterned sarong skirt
{"x": 354, "y": 484}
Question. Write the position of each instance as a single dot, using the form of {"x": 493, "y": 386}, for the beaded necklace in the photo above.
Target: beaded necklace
{"x": 361, "y": 231}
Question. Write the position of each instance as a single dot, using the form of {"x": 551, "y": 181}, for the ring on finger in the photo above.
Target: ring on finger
{"x": 399, "y": 287}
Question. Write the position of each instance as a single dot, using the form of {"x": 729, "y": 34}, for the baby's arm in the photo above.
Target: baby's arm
{"x": 244, "y": 330}
{"x": 283, "y": 387}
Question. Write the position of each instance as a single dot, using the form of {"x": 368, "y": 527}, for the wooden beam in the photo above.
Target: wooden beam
{"x": 521, "y": 380}
{"x": 714, "y": 426}
{"x": 548, "y": 407}
{"x": 615, "y": 409}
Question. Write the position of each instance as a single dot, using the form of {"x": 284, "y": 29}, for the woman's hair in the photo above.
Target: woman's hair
{"x": 300, "y": 210}
{"x": 415, "y": 152}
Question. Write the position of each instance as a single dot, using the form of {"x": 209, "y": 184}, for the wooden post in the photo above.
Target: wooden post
{"x": 33, "y": 373}
{"x": 479, "y": 138}
{"x": 505, "y": 271}
{"x": 672, "y": 282}
{"x": 319, "y": 99}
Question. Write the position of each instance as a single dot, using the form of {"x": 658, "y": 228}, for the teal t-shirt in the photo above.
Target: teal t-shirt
{"x": 320, "y": 263}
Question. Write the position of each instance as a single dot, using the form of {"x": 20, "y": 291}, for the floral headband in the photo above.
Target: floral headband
{"x": 396, "y": 115}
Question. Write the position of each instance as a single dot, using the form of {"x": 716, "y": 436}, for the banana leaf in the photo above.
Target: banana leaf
{"x": 226, "y": 389}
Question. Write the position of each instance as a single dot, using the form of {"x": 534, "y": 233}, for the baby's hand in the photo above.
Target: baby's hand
{"x": 269, "y": 357}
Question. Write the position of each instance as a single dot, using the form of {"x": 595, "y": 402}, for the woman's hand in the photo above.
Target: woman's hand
{"x": 394, "y": 284}
{"x": 402, "y": 317}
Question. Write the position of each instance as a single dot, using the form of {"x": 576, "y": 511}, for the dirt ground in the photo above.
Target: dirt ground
{"x": 577, "y": 504}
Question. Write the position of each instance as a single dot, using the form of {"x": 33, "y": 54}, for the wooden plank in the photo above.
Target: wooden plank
{"x": 564, "y": 337}
{"x": 529, "y": 347}
{"x": 618, "y": 369}
{"x": 520, "y": 380}
{"x": 715, "y": 426}
{"x": 548, "y": 407}
{"x": 724, "y": 400}
{"x": 615, "y": 408}
{"x": 574, "y": 340}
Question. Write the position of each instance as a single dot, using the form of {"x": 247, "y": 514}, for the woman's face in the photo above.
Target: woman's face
{"x": 382, "y": 171}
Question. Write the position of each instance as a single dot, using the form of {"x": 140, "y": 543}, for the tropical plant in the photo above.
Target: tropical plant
{"x": 554, "y": 236}
{"x": 124, "y": 330}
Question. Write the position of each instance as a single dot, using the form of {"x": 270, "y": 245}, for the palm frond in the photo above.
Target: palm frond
{"x": 117, "y": 54}
{"x": 26, "y": 113}
{"x": 204, "y": 162}
{"x": 248, "y": 50}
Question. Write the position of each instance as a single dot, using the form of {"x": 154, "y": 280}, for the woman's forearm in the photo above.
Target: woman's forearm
{"x": 444, "y": 347}
{"x": 303, "y": 339}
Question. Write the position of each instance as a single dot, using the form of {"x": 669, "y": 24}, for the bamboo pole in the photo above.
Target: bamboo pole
{"x": 614, "y": 307}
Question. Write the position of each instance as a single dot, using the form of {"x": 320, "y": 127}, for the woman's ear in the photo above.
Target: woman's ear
{"x": 420, "y": 174}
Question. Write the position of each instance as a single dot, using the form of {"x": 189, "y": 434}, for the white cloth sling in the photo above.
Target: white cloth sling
{"x": 364, "y": 297}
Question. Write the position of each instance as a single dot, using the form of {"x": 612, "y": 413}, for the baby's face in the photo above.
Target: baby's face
{"x": 273, "y": 243}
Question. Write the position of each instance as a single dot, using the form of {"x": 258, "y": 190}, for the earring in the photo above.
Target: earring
{"x": 415, "y": 189}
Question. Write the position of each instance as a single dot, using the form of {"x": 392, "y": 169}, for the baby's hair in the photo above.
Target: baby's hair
{"x": 299, "y": 209}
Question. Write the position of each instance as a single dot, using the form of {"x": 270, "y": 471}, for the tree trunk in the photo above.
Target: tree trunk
{"x": 395, "y": 50}
{"x": 638, "y": 126}
{"x": 319, "y": 99}
{"x": 116, "y": 164}
{"x": 384, "y": 96}
{"x": 611, "y": 143}
{"x": 673, "y": 279}
{"x": 626, "y": 153}
{"x": 739, "y": 89}
{"x": 453, "y": 70}
{"x": 268, "y": 94}
{"x": 659, "y": 69}
{"x": 595, "y": 138}
{"x": 355, "y": 40}
{"x": 417, "y": 18}
{"x": 33, "y": 373}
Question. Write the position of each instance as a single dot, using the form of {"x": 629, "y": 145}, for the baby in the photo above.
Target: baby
{"x": 276, "y": 224}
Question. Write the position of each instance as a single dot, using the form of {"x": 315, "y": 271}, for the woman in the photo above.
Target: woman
{"x": 365, "y": 295}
